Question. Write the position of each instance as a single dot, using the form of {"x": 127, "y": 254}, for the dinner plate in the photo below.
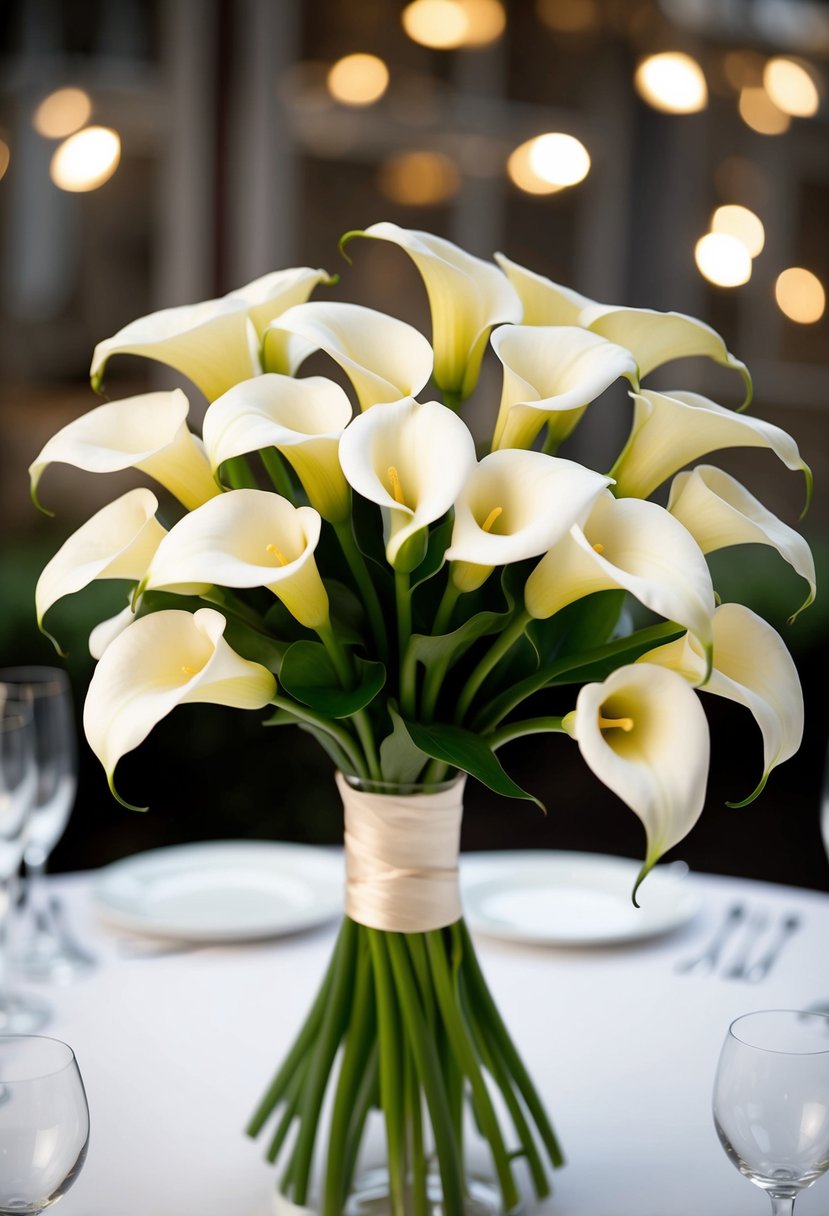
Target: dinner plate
{"x": 222, "y": 891}
{"x": 571, "y": 899}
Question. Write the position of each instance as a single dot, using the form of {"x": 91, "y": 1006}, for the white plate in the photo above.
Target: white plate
{"x": 222, "y": 891}
{"x": 571, "y": 899}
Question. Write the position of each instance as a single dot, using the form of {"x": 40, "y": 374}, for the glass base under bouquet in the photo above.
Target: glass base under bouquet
{"x": 372, "y": 1196}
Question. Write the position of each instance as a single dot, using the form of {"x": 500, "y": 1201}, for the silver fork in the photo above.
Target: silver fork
{"x": 757, "y": 925}
{"x": 709, "y": 958}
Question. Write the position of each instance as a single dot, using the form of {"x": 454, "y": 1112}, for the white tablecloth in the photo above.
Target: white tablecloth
{"x": 176, "y": 1050}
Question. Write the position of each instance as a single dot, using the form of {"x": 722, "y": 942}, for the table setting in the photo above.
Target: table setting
{"x": 447, "y": 1031}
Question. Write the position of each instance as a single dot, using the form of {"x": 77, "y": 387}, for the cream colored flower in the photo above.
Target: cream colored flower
{"x": 148, "y": 432}
{"x": 160, "y": 661}
{"x": 752, "y": 667}
{"x": 117, "y": 542}
{"x": 634, "y": 545}
{"x": 718, "y": 511}
{"x": 467, "y": 297}
{"x": 671, "y": 430}
{"x": 551, "y": 374}
{"x": 652, "y": 337}
{"x": 106, "y": 631}
{"x": 215, "y": 343}
{"x": 246, "y": 538}
{"x": 644, "y": 734}
{"x": 412, "y": 458}
{"x": 514, "y": 505}
{"x": 303, "y": 419}
{"x": 385, "y": 359}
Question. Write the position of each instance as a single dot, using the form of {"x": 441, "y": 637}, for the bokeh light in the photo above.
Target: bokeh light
{"x": 791, "y": 87}
{"x": 5, "y": 157}
{"x": 418, "y": 178}
{"x": 741, "y": 223}
{"x": 722, "y": 259}
{"x": 62, "y": 112}
{"x": 672, "y": 82}
{"x": 86, "y": 159}
{"x": 800, "y": 295}
{"x": 568, "y": 16}
{"x": 759, "y": 112}
{"x": 358, "y": 80}
{"x": 446, "y": 25}
{"x": 548, "y": 163}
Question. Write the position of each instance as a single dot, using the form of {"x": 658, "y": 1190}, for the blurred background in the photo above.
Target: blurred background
{"x": 671, "y": 154}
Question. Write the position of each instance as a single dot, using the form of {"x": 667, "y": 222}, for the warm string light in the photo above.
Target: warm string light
{"x": 5, "y": 157}
{"x": 358, "y": 80}
{"x": 800, "y": 295}
{"x": 742, "y": 223}
{"x": 723, "y": 259}
{"x": 672, "y": 82}
{"x": 86, "y": 159}
{"x": 791, "y": 87}
{"x": 548, "y": 163}
{"x": 418, "y": 178}
{"x": 759, "y": 112}
{"x": 62, "y": 113}
{"x": 447, "y": 25}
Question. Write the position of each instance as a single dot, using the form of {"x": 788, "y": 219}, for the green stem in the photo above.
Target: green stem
{"x": 490, "y": 660}
{"x": 391, "y": 1056}
{"x": 529, "y": 726}
{"x": 366, "y": 1097}
{"x": 443, "y": 616}
{"x": 291, "y": 1099}
{"x": 428, "y": 1069}
{"x": 279, "y": 475}
{"x": 359, "y": 569}
{"x": 238, "y": 473}
{"x": 342, "y": 737}
{"x": 228, "y": 602}
{"x": 467, "y": 1058}
{"x": 414, "y": 1115}
{"x": 403, "y": 601}
{"x": 343, "y": 666}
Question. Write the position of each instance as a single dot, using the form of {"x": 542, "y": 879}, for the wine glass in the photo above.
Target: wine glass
{"x": 42, "y": 951}
{"x": 44, "y": 1122}
{"x": 771, "y": 1101}
{"x": 17, "y": 790}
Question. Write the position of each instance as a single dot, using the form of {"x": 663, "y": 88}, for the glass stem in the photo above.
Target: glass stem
{"x": 781, "y": 1205}
{"x": 34, "y": 897}
{"x": 6, "y": 897}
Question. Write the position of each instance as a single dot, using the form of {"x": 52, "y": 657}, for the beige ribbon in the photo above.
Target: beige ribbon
{"x": 401, "y": 858}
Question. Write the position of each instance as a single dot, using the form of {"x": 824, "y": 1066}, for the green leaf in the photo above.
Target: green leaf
{"x": 448, "y": 647}
{"x": 347, "y": 612}
{"x": 401, "y": 760}
{"x": 467, "y": 751}
{"x": 580, "y": 626}
{"x": 308, "y": 674}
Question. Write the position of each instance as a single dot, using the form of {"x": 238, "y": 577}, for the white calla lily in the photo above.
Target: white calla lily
{"x": 467, "y": 297}
{"x": 107, "y": 631}
{"x": 148, "y": 432}
{"x": 411, "y": 458}
{"x": 385, "y": 359}
{"x": 653, "y": 338}
{"x": 551, "y": 374}
{"x": 215, "y": 343}
{"x": 644, "y": 734}
{"x": 117, "y": 542}
{"x": 751, "y": 667}
{"x": 303, "y": 419}
{"x": 718, "y": 511}
{"x": 634, "y": 545}
{"x": 672, "y": 429}
{"x": 514, "y": 505}
{"x": 163, "y": 660}
{"x": 246, "y": 538}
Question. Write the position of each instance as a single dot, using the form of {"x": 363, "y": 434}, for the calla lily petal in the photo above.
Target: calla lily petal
{"x": 148, "y": 432}
{"x": 106, "y": 631}
{"x": 163, "y": 660}
{"x": 246, "y": 538}
{"x": 551, "y": 373}
{"x": 410, "y": 457}
{"x": 304, "y": 419}
{"x": 514, "y": 505}
{"x": 672, "y": 429}
{"x": 385, "y": 359}
{"x": 117, "y": 542}
{"x": 653, "y": 338}
{"x": 718, "y": 511}
{"x": 213, "y": 343}
{"x": 467, "y": 297}
{"x": 644, "y": 734}
{"x": 634, "y": 545}
{"x": 275, "y": 293}
{"x": 752, "y": 667}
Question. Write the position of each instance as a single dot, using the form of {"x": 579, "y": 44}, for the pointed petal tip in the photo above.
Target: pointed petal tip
{"x": 640, "y": 878}
{"x": 344, "y": 240}
{"x": 755, "y": 793}
{"x": 807, "y": 603}
{"x": 36, "y": 501}
{"x": 739, "y": 366}
{"x": 810, "y": 485}
{"x": 129, "y": 805}
{"x": 61, "y": 652}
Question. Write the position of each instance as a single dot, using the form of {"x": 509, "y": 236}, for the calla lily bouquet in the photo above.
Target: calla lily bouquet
{"x": 349, "y": 559}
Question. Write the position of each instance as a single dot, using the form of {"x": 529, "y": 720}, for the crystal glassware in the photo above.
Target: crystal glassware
{"x": 44, "y": 1122}
{"x": 17, "y": 790}
{"x": 771, "y": 1101}
{"x": 42, "y": 950}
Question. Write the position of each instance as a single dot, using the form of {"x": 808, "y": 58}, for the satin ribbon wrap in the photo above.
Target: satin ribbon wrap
{"x": 401, "y": 857}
